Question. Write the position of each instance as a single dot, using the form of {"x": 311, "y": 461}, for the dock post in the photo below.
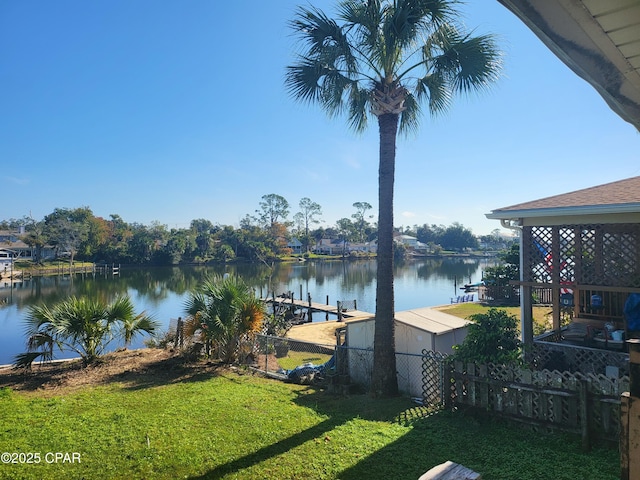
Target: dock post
{"x": 310, "y": 309}
{"x": 300, "y": 292}
{"x": 326, "y": 317}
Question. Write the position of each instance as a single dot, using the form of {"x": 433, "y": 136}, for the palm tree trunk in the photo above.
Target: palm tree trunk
{"x": 384, "y": 380}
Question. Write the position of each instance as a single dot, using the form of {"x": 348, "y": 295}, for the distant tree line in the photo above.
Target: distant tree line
{"x": 262, "y": 236}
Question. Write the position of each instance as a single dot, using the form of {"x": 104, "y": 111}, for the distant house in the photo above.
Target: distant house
{"x": 295, "y": 245}
{"x": 6, "y": 259}
{"x": 337, "y": 246}
{"x": 410, "y": 242}
{"x": 11, "y": 241}
{"x": 330, "y": 246}
{"x": 364, "y": 247}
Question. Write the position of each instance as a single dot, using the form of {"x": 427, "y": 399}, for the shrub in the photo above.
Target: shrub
{"x": 82, "y": 325}
{"x": 221, "y": 312}
{"x": 491, "y": 338}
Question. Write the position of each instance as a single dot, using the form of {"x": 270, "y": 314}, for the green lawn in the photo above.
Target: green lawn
{"x": 541, "y": 315}
{"x": 240, "y": 426}
{"x": 48, "y": 266}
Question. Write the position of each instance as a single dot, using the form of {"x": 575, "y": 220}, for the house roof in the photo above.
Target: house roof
{"x": 599, "y": 40}
{"x": 405, "y": 237}
{"x": 622, "y": 196}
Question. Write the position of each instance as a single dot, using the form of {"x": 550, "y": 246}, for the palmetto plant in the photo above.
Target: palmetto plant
{"x": 387, "y": 59}
{"x": 220, "y": 312}
{"x": 82, "y": 325}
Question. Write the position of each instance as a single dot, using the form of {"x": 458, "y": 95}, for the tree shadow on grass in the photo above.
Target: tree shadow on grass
{"x": 493, "y": 448}
{"x": 338, "y": 410}
{"x": 279, "y": 448}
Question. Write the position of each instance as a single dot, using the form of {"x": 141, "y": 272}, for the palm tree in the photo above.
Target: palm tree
{"x": 221, "y": 311}
{"x": 82, "y": 325}
{"x": 387, "y": 58}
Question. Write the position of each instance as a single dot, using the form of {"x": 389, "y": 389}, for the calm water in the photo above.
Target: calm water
{"x": 162, "y": 291}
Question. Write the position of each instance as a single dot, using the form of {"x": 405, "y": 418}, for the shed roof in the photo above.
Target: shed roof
{"x": 622, "y": 196}
{"x": 431, "y": 320}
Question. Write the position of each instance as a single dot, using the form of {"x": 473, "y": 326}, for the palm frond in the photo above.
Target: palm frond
{"x": 136, "y": 325}
{"x": 480, "y": 64}
{"x": 121, "y": 308}
{"x": 363, "y": 20}
{"x": 410, "y": 116}
{"x": 467, "y": 63}
{"x": 436, "y": 91}
{"x": 359, "y": 103}
{"x": 25, "y": 360}
{"x": 335, "y": 87}
{"x": 325, "y": 39}
{"x": 427, "y": 14}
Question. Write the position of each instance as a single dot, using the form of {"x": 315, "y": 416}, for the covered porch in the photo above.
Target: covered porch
{"x": 583, "y": 248}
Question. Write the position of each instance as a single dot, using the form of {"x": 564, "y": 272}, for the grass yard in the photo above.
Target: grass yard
{"x": 541, "y": 315}
{"x": 167, "y": 420}
{"x": 295, "y": 359}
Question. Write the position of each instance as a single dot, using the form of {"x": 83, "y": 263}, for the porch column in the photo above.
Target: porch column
{"x": 555, "y": 276}
{"x": 526, "y": 302}
{"x": 630, "y": 417}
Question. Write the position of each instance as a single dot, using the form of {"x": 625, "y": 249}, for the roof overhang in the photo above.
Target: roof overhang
{"x": 599, "y": 40}
{"x": 578, "y": 211}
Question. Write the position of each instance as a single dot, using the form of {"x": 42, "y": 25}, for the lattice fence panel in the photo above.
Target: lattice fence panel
{"x": 539, "y": 255}
{"x": 589, "y": 250}
{"x": 433, "y": 381}
{"x": 620, "y": 255}
{"x": 556, "y": 356}
{"x": 591, "y": 254}
{"x": 567, "y": 254}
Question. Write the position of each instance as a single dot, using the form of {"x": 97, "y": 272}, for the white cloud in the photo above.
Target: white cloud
{"x": 17, "y": 181}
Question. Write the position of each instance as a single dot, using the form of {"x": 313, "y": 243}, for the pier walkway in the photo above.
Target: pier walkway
{"x": 314, "y": 307}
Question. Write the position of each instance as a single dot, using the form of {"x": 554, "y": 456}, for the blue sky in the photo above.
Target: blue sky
{"x": 170, "y": 111}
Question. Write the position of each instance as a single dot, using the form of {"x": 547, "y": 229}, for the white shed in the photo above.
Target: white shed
{"x": 428, "y": 329}
{"x": 415, "y": 330}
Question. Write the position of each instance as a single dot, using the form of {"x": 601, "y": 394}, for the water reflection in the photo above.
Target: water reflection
{"x": 161, "y": 291}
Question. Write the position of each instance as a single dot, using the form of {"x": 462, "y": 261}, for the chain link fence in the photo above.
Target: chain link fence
{"x": 295, "y": 360}
{"x": 339, "y": 367}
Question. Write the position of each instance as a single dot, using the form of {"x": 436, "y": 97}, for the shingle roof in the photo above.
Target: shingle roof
{"x": 623, "y": 193}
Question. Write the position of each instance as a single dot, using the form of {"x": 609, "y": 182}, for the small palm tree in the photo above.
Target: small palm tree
{"x": 386, "y": 59}
{"x": 82, "y": 325}
{"x": 221, "y": 311}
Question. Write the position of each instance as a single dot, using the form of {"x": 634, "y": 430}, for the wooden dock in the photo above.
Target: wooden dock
{"x": 314, "y": 307}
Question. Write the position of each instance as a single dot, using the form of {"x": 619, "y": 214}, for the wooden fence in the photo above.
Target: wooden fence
{"x": 585, "y": 404}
